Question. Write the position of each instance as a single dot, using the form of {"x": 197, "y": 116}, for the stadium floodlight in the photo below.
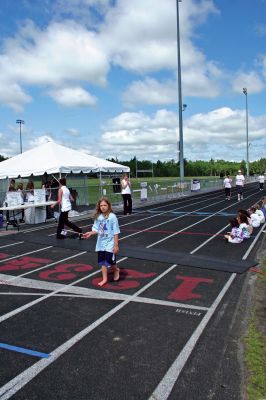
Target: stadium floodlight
{"x": 20, "y": 121}
{"x": 245, "y": 91}
{"x": 180, "y": 103}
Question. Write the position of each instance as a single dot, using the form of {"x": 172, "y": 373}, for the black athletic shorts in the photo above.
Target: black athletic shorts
{"x": 106, "y": 259}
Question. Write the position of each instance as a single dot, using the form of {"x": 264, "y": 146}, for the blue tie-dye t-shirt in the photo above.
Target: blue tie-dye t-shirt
{"x": 106, "y": 228}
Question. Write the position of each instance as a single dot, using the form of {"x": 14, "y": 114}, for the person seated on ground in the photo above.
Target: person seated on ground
{"x": 236, "y": 234}
{"x": 255, "y": 219}
{"x": 263, "y": 206}
{"x": 259, "y": 212}
{"x": 244, "y": 225}
{"x": 30, "y": 191}
{"x": 246, "y": 212}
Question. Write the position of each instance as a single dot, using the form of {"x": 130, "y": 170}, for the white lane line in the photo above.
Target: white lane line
{"x": 166, "y": 385}
{"x": 171, "y": 220}
{"x": 46, "y": 296}
{"x": 196, "y": 223}
{"x": 253, "y": 243}
{"x": 142, "y": 300}
{"x": 12, "y": 244}
{"x": 14, "y": 385}
{"x": 25, "y": 254}
{"x": 208, "y": 240}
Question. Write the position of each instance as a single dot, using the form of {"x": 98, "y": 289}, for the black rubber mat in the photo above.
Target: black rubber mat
{"x": 171, "y": 257}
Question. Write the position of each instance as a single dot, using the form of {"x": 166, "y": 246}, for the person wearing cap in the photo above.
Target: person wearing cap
{"x": 240, "y": 181}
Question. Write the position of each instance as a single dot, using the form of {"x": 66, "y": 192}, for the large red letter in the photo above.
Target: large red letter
{"x": 185, "y": 290}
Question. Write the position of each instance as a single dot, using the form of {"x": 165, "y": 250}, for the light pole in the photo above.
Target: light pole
{"x": 20, "y": 121}
{"x": 245, "y": 91}
{"x": 180, "y": 104}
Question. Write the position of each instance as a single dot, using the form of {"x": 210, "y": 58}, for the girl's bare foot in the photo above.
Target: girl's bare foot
{"x": 116, "y": 274}
{"x": 103, "y": 282}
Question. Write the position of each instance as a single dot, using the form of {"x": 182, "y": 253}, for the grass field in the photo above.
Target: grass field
{"x": 255, "y": 343}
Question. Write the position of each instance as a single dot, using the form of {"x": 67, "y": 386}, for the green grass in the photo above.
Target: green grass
{"x": 255, "y": 349}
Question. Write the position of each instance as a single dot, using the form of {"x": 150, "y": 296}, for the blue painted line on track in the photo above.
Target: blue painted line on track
{"x": 23, "y": 350}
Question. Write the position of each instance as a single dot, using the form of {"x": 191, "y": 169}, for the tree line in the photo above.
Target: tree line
{"x": 220, "y": 168}
{"x": 196, "y": 168}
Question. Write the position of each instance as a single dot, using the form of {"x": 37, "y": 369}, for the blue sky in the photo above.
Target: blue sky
{"x": 100, "y": 76}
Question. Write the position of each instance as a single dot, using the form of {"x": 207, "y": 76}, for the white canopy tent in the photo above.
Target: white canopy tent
{"x": 52, "y": 158}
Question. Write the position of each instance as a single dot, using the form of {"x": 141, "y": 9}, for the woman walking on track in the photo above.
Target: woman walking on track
{"x": 240, "y": 181}
{"x": 126, "y": 194}
{"x": 227, "y": 187}
{"x": 107, "y": 228}
{"x": 64, "y": 199}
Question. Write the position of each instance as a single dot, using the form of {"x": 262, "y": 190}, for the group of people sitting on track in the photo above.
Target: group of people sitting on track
{"x": 245, "y": 222}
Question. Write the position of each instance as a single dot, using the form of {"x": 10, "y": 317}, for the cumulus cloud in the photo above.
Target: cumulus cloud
{"x": 250, "y": 80}
{"x": 73, "y": 97}
{"x": 57, "y": 56}
{"x": 212, "y": 135}
{"x": 13, "y": 96}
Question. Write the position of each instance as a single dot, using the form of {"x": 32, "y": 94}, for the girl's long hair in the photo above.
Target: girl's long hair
{"x": 234, "y": 223}
{"x": 98, "y": 210}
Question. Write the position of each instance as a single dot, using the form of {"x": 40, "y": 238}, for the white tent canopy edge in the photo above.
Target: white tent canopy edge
{"x": 53, "y": 158}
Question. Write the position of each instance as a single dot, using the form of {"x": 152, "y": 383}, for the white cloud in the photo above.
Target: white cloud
{"x": 12, "y": 95}
{"x": 212, "y": 135}
{"x": 250, "y": 80}
{"x": 151, "y": 91}
{"x": 58, "y": 56}
{"x": 73, "y": 97}
{"x": 73, "y": 132}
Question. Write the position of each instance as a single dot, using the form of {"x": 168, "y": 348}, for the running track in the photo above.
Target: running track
{"x": 162, "y": 332}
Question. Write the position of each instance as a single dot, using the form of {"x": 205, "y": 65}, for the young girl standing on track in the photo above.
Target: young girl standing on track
{"x": 107, "y": 228}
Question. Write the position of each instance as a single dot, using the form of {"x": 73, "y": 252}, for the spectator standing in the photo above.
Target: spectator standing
{"x": 30, "y": 191}
{"x": 22, "y": 194}
{"x": 240, "y": 181}
{"x": 261, "y": 180}
{"x": 227, "y": 187}
{"x": 64, "y": 199}
{"x": 12, "y": 186}
{"x": 126, "y": 194}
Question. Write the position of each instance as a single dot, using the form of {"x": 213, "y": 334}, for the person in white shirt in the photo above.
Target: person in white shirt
{"x": 64, "y": 199}
{"x": 261, "y": 180}
{"x": 227, "y": 187}
{"x": 254, "y": 217}
{"x": 126, "y": 194}
{"x": 259, "y": 212}
{"x": 240, "y": 181}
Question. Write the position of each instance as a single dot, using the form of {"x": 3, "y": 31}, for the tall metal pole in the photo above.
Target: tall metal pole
{"x": 180, "y": 103}
{"x": 20, "y": 121}
{"x": 245, "y": 91}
